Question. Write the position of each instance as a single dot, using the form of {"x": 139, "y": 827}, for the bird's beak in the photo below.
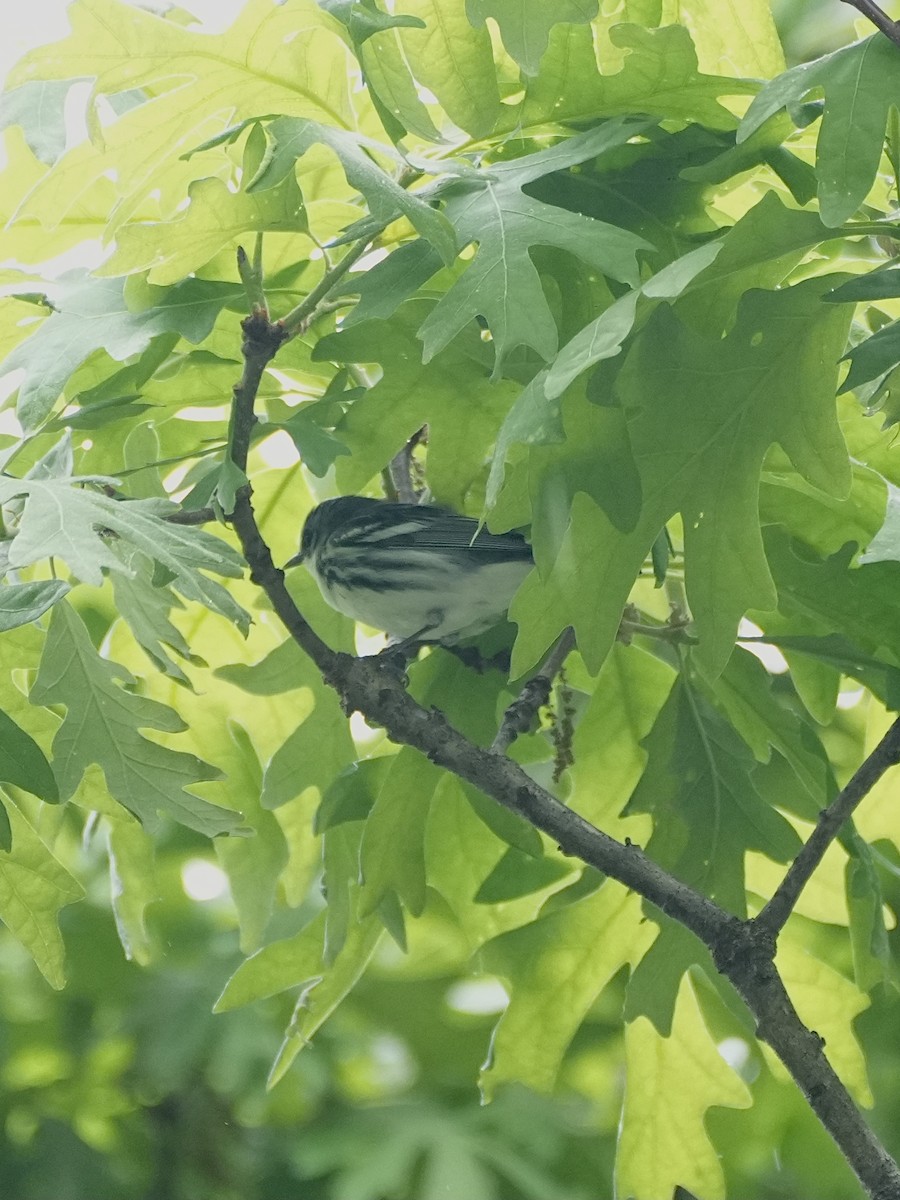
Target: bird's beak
{"x": 295, "y": 561}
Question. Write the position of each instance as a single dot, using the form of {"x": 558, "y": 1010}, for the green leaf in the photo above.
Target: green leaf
{"x": 671, "y": 1082}
{"x": 275, "y": 968}
{"x": 453, "y": 393}
{"x": 708, "y": 282}
{"x": 859, "y": 82}
{"x": 216, "y": 216}
{"x": 101, "y": 726}
{"x": 758, "y": 251}
{"x": 672, "y": 384}
{"x": 656, "y": 980}
{"x": 745, "y": 694}
{"x": 608, "y": 749}
{"x": 392, "y": 853}
{"x": 25, "y": 238}
{"x": 873, "y": 357}
{"x": 518, "y": 874}
{"x": 525, "y": 24}
{"x": 533, "y": 419}
{"x": 605, "y": 336}
{"x": 252, "y": 865}
{"x": 24, "y": 602}
{"x": 23, "y": 764}
{"x": 518, "y": 833}
{"x": 393, "y": 89}
{"x": 555, "y": 969}
{"x": 146, "y": 608}
{"x": 501, "y": 282}
{"x": 836, "y": 612}
{"x": 229, "y": 481}
{"x": 340, "y": 883}
{"x": 363, "y": 19}
{"x": 881, "y": 284}
{"x": 865, "y": 903}
{"x": 885, "y": 546}
{"x": 39, "y": 107}
{"x": 699, "y": 785}
{"x": 91, "y": 314}
{"x": 318, "y": 449}
{"x": 460, "y": 854}
{"x": 596, "y": 460}
{"x": 824, "y": 523}
{"x": 833, "y": 651}
{"x": 658, "y": 76}
{"x": 384, "y": 287}
{"x": 287, "y": 59}
{"x": 34, "y": 886}
{"x": 318, "y": 1001}
{"x": 290, "y": 138}
{"x": 352, "y": 793}
{"x": 5, "y": 828}
{"x": 133, "y": 885}
{"x": 454, "y": 62}
{"x": 313, "y": 756}
{"x": 73, "y": 522}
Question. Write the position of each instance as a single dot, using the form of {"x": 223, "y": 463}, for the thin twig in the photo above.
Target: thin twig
{"x": 536, "y": 692}
{"x": 671, "y": 631}
{"x": 878, "y": 17}
{"x": 297, "y": 319}
{"x": 886, "y": 754}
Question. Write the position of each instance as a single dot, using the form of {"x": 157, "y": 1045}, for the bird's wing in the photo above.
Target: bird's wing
{"x": 444, "y": 530}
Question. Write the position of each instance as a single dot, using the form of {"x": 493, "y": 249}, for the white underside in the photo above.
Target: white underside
{"x": 465, "y": 603}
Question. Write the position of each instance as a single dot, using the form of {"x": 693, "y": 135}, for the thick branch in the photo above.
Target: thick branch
{"x": 878, "y": 17}
{"x": 260, "y": 345}
{"x": 886, "y": 754}
{"x": 802, "y": 1052}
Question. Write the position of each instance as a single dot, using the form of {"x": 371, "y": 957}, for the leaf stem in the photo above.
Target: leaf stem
{"x": 296, "y": 319}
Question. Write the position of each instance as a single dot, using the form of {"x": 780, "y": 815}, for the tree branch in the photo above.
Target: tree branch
{"x": 296, "y": 320}
{"x": 742, "y": 950}
{"x": 192, "y": 516}
{"x": 878, "y": 17}
{"x": 886, "y": 754}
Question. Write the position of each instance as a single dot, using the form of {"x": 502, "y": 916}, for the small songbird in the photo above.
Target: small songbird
{"x": 419, "y": 572}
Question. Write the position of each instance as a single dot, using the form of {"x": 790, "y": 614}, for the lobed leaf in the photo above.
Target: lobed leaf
{"x": 34, "y": 886}
{"x": 102, "y": 726}
{"x": 859, "y": 82}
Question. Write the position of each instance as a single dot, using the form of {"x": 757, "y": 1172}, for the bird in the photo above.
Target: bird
{"x": 419, "y": 572}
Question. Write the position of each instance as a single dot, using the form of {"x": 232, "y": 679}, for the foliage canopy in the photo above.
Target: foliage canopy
{"x": 635, "y": 279}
